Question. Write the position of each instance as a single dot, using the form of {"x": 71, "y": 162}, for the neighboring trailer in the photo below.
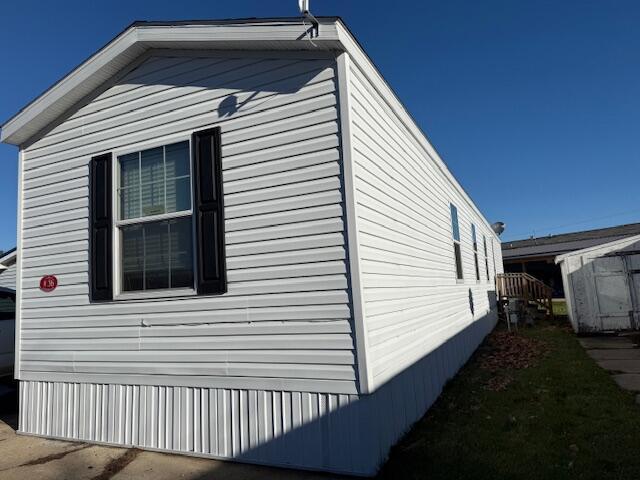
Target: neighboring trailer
{"x": 7, "y": 311}
{"x": 602, "y": 286}
{"x": 8, "y": 268}
{"x": 256, "y": 250}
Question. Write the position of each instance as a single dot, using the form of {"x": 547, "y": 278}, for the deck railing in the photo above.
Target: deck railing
{"x": 526, "y": 288}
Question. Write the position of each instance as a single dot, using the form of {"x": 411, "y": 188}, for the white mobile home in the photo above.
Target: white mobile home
{"x": 602, "y": 286}
{"x": 235, "y": 242}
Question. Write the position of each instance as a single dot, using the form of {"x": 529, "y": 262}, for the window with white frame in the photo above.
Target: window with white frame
{"x": 475, "y": 250}
{"x": 155, "y": 219}
{"x": 455, "y": 230}
{"x": 486, "y": 256}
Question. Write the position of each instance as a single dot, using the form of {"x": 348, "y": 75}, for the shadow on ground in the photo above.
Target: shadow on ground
{"x": 9, "y": 403}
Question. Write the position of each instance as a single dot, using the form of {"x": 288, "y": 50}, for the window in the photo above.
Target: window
{"x": 155, "y": 219}
{"x": 455, "y": 229}
{"x": 493, "y": 255}
{"x": 475, "y": 250}
{"x": 486, "y": 257}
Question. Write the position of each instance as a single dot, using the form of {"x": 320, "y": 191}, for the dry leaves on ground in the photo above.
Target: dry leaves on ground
{"x": 509, "y": 351}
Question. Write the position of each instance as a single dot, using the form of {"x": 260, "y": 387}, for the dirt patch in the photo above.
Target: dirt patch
{"x": 52, "y": 457}
{"x": 509, "y": 351}
{"x": 118, "y": 464}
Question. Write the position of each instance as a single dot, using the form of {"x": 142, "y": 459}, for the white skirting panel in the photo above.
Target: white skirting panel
{"x": 319, "y": 431}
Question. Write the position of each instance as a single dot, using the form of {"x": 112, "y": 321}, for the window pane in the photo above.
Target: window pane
{"x": 156, "y": 243}
{"x": 475, "y": 259}
{"x": 178, "y": 194}
{"x": 129, "y": 203}
{"x": 152, "y": 198}
{"x": 129, "y": 170}
{"x": 152, "y": 165}
{"x": 156, "y": 181}
{"x": 177, "y": 159}
{"x": 157, "y": 255}
{"x": 181, "y": 252}
{"x": 454, "y": 223}
{"x": 473, "y": 237}
{"x": 458, "y": 256}
{"x": 132, "y": 258}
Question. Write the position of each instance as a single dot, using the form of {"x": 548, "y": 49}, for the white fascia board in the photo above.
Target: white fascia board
{"x": 225, "y": 34}
{"x": 42, "y": 111}
{"x": 621, "y": 243}
{"x": 362, "y": 60}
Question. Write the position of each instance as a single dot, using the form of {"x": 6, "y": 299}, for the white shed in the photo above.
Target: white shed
{"x": 235, "y": 242}
{"x": 602, "y": 286}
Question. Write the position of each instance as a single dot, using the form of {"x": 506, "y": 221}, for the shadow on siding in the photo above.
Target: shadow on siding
{"x": 356, "y": 438}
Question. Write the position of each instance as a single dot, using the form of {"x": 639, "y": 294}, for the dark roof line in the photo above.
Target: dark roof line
{"x": 619, "y": 230}
{"x": 168, "y": 23}
{"x": 7, "y": 253}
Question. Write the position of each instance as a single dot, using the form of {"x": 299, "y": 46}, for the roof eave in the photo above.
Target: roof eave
{"x": 285, "y": 34}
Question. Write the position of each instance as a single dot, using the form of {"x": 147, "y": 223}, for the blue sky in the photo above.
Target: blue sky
{"x": 534, "y": 105}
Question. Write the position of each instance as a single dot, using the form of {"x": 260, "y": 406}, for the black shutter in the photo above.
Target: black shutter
{"x": 100, "y": 248}
{"x": 208, "y": 205}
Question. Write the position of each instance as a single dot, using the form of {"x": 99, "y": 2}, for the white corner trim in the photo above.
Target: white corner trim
{"x": 359, "y": 318}
{"x": 18, "y": 305}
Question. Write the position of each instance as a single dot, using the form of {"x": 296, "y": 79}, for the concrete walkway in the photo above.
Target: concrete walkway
{"x": 33, "y": 458}
{"x": 620, "y": 356}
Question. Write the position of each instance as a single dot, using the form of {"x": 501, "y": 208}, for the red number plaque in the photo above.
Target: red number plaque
{"x": 48, "y": 283}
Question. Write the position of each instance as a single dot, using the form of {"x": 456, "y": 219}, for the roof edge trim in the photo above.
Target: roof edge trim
{"x": 132, "y": 42}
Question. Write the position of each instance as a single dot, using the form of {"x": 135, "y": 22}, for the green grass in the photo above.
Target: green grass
{"x": 562, "y": 418}
{"x": 559, "y": 306}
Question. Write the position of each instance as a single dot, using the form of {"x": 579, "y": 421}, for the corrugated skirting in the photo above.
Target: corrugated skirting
{"x": 339, "y": 433}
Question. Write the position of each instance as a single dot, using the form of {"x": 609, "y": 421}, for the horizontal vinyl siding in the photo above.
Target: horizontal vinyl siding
{"x": 8, "y": 277}
{"x": 412, "y": 301}
{"x": 285, "y": 321}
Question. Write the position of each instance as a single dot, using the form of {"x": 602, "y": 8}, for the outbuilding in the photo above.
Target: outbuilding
{"x": 234, "y": 242}
{"x": 602, "y": 286}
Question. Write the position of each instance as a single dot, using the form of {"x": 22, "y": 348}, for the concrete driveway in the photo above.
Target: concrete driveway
{"x": 33, "y": 458}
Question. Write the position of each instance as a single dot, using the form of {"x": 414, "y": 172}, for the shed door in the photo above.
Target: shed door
{"x": 613, "y": 297}
{"x": 633, "y": 267}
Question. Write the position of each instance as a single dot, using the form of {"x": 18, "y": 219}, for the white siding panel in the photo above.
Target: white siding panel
{"x": 412, "y": 300}
{"x": 285, "y": 320}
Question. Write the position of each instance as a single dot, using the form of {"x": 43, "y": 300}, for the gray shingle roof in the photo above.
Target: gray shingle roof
{"x": 566, "y": 242}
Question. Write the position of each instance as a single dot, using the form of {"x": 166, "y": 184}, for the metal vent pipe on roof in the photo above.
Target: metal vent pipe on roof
{"x": 303, "y": 5}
